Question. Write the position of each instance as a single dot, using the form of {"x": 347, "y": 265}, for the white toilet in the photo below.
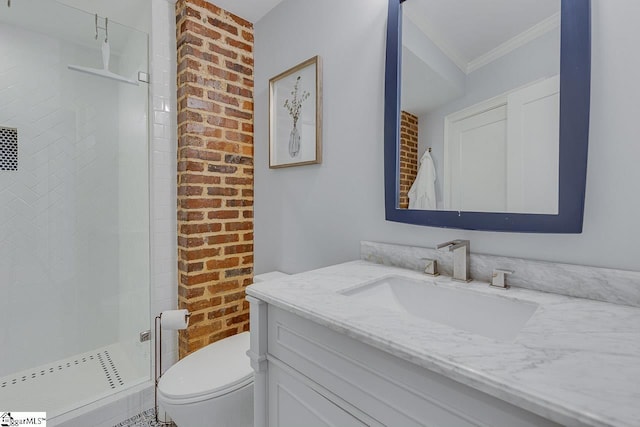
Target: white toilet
{"x": 214, "y": 385}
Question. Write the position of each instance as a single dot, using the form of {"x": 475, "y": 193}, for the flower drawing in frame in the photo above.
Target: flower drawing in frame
{"x": 295, "y": 115}
{"x": 294, "y": 106}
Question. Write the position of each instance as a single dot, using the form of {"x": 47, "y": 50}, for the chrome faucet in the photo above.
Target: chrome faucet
{"x": 460, "y": 249}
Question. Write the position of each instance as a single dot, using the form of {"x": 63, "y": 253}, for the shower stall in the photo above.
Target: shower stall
{"x": 74, "y": 208}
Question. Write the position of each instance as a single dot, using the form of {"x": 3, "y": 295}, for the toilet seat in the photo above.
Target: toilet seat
{"x": 210, "y": 372}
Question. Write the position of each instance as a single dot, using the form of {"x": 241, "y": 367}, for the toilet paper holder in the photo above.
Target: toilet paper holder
{"x": 173, "y": 314}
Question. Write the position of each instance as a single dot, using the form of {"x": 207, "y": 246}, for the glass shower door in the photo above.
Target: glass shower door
{"x": 74, "y": 211}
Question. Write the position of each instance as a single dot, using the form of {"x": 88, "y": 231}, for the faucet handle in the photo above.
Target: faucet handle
{"x": 453, "y": 244}
{"x": 431, "y": 267}
{"x": 499, "y": 278}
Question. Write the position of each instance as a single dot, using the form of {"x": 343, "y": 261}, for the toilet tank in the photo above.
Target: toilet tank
{"x": 272, "y": 275}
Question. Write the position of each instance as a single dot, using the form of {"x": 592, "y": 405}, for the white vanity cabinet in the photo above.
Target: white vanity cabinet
{"x": 310, "y": 375}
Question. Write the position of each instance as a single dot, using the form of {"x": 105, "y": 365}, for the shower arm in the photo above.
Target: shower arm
{"x": 98, "y": 27}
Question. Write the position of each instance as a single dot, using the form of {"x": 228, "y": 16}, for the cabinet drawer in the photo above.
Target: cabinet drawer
{"x": 294, "y": 401}
{"x": 392, "y": 391}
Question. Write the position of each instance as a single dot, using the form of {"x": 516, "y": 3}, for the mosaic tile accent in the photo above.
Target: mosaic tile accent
{"x": 8, "y": 149}
{"x": 144, "y": 419}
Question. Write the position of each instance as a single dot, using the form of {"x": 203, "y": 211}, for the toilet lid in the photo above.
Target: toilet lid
{"x": 217, "y": 368}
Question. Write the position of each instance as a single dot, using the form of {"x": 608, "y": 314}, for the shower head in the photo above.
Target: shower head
{"x": 104, "y": 72}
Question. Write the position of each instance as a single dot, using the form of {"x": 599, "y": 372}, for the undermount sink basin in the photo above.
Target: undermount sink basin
{"x": 491, "y": 316}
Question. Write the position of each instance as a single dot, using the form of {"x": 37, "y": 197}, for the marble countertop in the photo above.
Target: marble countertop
{"x": 576, "y": 361}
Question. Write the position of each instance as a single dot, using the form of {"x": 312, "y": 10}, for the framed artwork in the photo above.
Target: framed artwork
{"x": 295, "y": 115}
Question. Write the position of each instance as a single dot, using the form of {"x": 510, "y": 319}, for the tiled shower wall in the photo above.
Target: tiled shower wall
{"x": 163, "y": 168}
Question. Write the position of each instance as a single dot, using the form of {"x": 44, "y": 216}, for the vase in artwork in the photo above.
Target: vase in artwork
{"x": 294, "y": 142}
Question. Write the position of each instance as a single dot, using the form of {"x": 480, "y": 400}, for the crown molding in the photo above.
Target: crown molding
{"x": 516, "y": 42}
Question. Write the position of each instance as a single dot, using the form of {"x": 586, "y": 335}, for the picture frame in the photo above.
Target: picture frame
{"x": 295, "y": 115}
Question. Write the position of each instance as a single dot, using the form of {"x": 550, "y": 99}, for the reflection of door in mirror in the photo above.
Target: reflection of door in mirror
{"x": 496, "y": 153}
{"x": 481, "y": 79}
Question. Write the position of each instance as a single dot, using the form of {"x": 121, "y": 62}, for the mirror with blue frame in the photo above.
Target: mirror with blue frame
{"x": 486, "y": 113}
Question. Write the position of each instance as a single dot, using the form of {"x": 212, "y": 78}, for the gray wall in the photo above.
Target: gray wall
{"x": 313, "y": 216}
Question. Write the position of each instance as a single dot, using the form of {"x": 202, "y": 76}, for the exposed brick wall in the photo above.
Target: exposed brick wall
{"x": 215, "y": 171}
{"x": 408, "y": 155}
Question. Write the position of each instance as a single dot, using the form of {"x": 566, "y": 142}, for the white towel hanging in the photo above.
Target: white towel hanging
{"x": 422, "y": 194}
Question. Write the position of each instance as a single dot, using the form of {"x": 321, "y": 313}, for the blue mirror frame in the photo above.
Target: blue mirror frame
{"x": 575, "y": 82}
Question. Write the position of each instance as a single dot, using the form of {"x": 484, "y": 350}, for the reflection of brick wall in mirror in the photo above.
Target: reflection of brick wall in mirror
{"x": 408, "y": 155}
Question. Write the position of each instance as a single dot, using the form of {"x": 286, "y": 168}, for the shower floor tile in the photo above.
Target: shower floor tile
{"x": 67, "y": 384}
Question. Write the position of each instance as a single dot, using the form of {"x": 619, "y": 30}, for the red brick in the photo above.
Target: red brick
{"x": 223, "y": 214}
{"x": 190, "y": 267}
{"x": 190, "y": 216}
{"x": 223, "y": 26}
{"x": 238, "y": 226}
{"x": 200, "y": 228}
{"x": 237, "y": 249}
{"x": 222, "y": 169}
{"x": 189, "y": 38}
{"x": 248, "y": 36}
{"x": 189, "y": 116}
{"x": 232, "y": 112}
{"x": 238, "y": 68}
{"x": 216, "y": 264}
{"x": 225, "y": 311}
{"x": 238, "y": 44}
{"x": 235, "y": 296}
{"x": 223, "y": 74}
{"x": 189, "y": 191}
{"x": 232, "y": 180}
{"x": 222, "y": 51}
{"x": 241, "y": 22}
{"x": 238, "y": 319}
{"x": 199, "y": 278}
{"x": 228, "y": 147}
{"x": 222, "y": 238}
{"x": 190, "y": 242}
{"x": 240, "y": 137}
{"x": 189, "y": 293}
{"x": 221, "y": 191}
{"x": 238, "y": 203}
{"x": 199, "y": 253}
{"x": 200, "y": 203}
{"x": 222, "y": 122}
{"x": 238, "y": 160}
{"x": 187, "y": 27}
{"x": 190, "y": 141}
{"x": 190, "y": 90}
{"x": 199, "y": 179}
{"x": 237, "y": 90}
{"x": 224, "y": 98}
{"x": 192, "y": 153}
